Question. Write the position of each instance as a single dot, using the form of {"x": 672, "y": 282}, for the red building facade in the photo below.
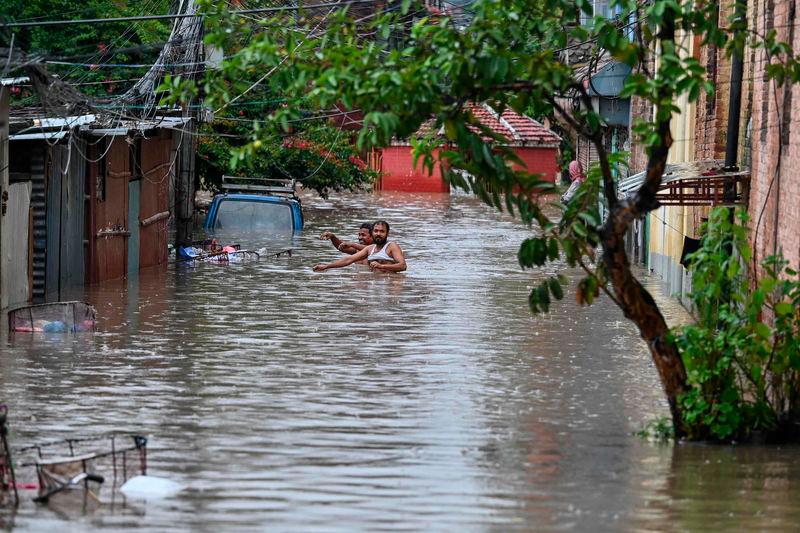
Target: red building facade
{"x": 533, "y": 143}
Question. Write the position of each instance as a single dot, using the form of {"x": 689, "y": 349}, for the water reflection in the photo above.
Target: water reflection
{"x": 348, "y": 400}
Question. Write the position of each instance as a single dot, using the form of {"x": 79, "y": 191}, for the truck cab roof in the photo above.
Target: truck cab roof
{"x": 259, "y": 204}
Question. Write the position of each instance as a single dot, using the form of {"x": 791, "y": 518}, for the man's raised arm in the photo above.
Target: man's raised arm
{"x": 351, "y": 247}
{"x": 335, "y": 241}
{"x": 343, "y": 262}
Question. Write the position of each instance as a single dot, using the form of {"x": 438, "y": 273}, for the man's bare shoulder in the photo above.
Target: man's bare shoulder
{"x": 394, "y": 245}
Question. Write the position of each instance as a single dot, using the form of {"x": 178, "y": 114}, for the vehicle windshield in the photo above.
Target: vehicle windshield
{"x": 248, "y": 214}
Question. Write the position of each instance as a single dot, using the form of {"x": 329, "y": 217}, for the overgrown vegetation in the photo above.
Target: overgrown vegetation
{"x": 319, "y": 156}
{"x": 743, "y": 354}
{"x": 85, "y": 54}
{"x": 659, "y": 430}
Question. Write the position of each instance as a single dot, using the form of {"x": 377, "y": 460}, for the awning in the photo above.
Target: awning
{"x": 694, "y": 183}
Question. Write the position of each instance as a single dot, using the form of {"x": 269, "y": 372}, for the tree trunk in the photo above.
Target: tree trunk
{"x": 636, "y": 303}
{"x": 638, "y": 306}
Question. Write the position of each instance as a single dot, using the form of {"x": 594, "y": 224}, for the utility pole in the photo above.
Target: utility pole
{"x": 184, "y": 47}
{"x": 192, "y": 32}
{"x": 4, "y": 185}
{"x": 184, "y": 182}
{"x": 732, "y": 137}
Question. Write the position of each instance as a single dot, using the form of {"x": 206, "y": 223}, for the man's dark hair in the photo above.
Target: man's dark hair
{"x": 382, "y": 223}
{"x": 367, "y": 226}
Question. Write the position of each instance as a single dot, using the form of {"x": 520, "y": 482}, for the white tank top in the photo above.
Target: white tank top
{"x": 380, "y": 255}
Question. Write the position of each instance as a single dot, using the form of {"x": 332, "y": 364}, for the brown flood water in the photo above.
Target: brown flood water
{"x": 292, "y": 401}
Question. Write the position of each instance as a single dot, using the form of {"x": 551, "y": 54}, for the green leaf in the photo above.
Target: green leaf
{"x": 533, "y": 302}
{"x": 555, "y": 288}
{"x": 552, "y": 250}
{"x": 762, "y": 330}
{"x": 589, "y": 218}
{"x": 543, "y": 295}
{"x": 580, "y": 229}
{"x": 532, "y": 252}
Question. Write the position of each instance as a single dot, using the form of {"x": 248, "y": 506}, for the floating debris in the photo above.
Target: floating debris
{"x": 56, "y": 317}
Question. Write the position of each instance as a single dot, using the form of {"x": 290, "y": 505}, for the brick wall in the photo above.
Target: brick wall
{"x": 774, "y": 205}
{"x": 711, "y": 119}
{"x": 641, "y": 110}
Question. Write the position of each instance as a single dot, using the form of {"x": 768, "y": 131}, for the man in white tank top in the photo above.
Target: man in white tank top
{"x": 382, "y": 256}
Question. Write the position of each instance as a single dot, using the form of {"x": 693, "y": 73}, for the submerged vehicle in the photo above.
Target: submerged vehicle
{"x": 255, "y": 204}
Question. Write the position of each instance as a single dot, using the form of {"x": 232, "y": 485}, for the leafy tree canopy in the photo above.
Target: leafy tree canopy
{"x": 87, "y": 46}
{"x": 316, "y": 153}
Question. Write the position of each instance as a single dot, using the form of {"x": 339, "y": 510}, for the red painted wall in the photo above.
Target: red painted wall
{"x": 540, "y": 161}
{"x": 398, "y": 173}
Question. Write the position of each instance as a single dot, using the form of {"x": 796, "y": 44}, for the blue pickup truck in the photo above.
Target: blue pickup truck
{"x": 255, "y": 204}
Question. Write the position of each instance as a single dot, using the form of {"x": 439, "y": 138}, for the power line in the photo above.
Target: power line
{"x": 127, "y": 34}
{"x": 273, "y": 69}
{"x": 124, "y": 65}
{"x": 180, "y": 15}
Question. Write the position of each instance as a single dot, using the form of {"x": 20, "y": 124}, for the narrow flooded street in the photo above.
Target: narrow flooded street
{"x": 289, "y": 400}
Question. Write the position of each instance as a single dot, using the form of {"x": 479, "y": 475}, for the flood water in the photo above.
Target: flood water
{"x": 289, "y": 400}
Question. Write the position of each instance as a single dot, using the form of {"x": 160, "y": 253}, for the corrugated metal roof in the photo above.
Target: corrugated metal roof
{"x": 139, "y": 125}
{"x": 60, "y": 126}
{"x": 709, "y": 170}
{"x": 67, "y": 122}
{"x": 14, "y": 81}
{"x": 672, "y": 172}
{"x": 39, "y": 135}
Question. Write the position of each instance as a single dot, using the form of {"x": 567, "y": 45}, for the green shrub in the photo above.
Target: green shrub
{"x": 742, "y": 355}
{"x": 320, "y": 156}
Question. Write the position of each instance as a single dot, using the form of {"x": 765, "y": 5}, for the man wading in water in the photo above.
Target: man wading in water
{"x": 364, "y": 239}
{"x": 382, "y": 256}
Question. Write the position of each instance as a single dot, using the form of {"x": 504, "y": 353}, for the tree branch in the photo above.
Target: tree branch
{"x": 603, "y": 286}
{"x": 569, "y": 118}
{"x": 597, "y": 139}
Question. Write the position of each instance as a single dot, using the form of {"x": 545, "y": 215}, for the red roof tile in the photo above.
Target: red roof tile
{"x": 518, "y": 129}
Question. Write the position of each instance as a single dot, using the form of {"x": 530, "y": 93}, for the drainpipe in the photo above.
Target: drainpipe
{"x": 734, "y": 106}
